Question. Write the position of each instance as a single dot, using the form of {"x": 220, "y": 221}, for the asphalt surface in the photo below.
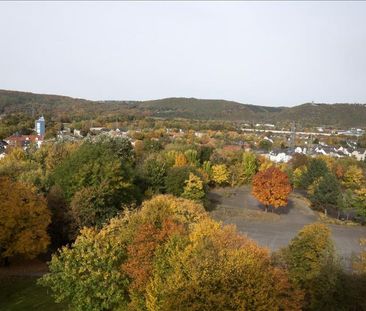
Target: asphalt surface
{"x": 275, "y": 230}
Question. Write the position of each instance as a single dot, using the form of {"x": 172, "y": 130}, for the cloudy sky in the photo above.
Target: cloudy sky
{"x": 264, "y": 53}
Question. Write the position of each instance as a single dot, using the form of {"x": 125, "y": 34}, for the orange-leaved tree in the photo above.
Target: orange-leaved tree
{"x": 271, "y": 187}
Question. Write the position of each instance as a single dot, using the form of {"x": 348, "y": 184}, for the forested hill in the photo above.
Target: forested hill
{"x": 344, "y": 115}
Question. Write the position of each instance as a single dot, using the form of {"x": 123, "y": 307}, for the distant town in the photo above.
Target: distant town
{"x": 318, "y": 142}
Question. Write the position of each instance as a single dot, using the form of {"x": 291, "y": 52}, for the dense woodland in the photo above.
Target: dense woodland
{"x": 129, "y": 229}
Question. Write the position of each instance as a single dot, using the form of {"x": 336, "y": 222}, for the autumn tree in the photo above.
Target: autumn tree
{"x": 180, "y": 160}
{"x": 87, "y": 275}
{"x": 107, "y": 269}
{"x": 297, "y": 176}
{"x": 250, "y": 166}
{"x": 353, "y": 178}
{"x": 220, "y": 174}
{"x": 24, "y": 219}
{"x": 215, "y": 268}
{"x": 310, "y": 260}
{"x": 264, "y": 163}
{"x": 141, "y": 254}
{"x": 193, "y": 189}
{"x": 271, "y": 187}
{"x": 236, "y": 174}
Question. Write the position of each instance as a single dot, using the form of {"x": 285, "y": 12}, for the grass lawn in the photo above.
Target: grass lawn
{"x": 23, "y": 293}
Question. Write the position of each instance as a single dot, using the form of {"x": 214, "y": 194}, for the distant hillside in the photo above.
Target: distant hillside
{"x": 342, "y": 115}
{"x": 205, "y": 109}
{"x": 55, "y": 105}
{"x": 345, "y": 115}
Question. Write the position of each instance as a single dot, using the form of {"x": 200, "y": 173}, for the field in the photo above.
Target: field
{"x": 19, "y": 289}
{"x": 22, "y": 293}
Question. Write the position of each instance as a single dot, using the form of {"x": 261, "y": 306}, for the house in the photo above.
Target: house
{"x": 359, "y": 154}
{"x": 24, "y": 141}
{"x": 3, "y": 145}
{"x": 279, "y": 157}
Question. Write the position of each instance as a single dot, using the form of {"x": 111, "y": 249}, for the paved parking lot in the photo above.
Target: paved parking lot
{"x": 275, "y": 230}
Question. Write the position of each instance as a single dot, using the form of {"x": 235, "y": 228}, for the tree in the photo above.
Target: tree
{"x": 264, "y": 163}
{"x": 353, "y": 177}
{"x": 346, "y": 202}
{"x": 298, "y": 160}
{"x": 192, "y": 157}
{"x": 180, "y": 160}
{"x": 106, "y": 269}
{"x": 152, "y": 145}
{"x": 316, "y": 168}
{"x": 297, "y": 176}
{"x": 360, "y": 201}
{"x": 139, "y": 148}
{"x": 24, "y": 219}
{"x": 250, "y": 166}
{"x": 176, "y": 179}
{"x": 220, "y": 174}
{"x": 326, "y": 192}
{"x": 155, "y": 171}
{"x": 215, "y": 268}
{"x": 236, "y": 174}
{"x": 207, "y": 167}
{"x": 94, "y": 206}
{"x": 141, "y": 254}
{"x": 310, "y": 260}
{"x": 271, "y": 187}
{"x": 59, "y": 228}
{"x": 361, "y": 142}
{"x": 265, "y": 144}
{"x": 193, "y": 189}
{"x": 93, "y": 164}
{"x": 87, "y": 275}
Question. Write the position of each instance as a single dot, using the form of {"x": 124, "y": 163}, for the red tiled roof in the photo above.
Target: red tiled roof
{"x": 24, "y": 138}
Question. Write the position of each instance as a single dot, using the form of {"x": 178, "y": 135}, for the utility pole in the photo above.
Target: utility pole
{"x": 293, "y": 136}
{"x": 310, "y": 145}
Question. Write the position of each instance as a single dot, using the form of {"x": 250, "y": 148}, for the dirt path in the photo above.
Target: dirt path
{"x": 33, "y": 268}
{"x": 275, "y": 230}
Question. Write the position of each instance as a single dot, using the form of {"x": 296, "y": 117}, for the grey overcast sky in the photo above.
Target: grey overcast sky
{"x": 264, "y": 53}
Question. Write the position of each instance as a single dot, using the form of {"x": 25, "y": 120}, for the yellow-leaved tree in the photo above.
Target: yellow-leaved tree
{"x": 220, "y": 174}
{"x": 193, "y": 189}
{"x": 24, "y": 219}
{"x": 180, "y": 160}
{"x": 353, "y": 177}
